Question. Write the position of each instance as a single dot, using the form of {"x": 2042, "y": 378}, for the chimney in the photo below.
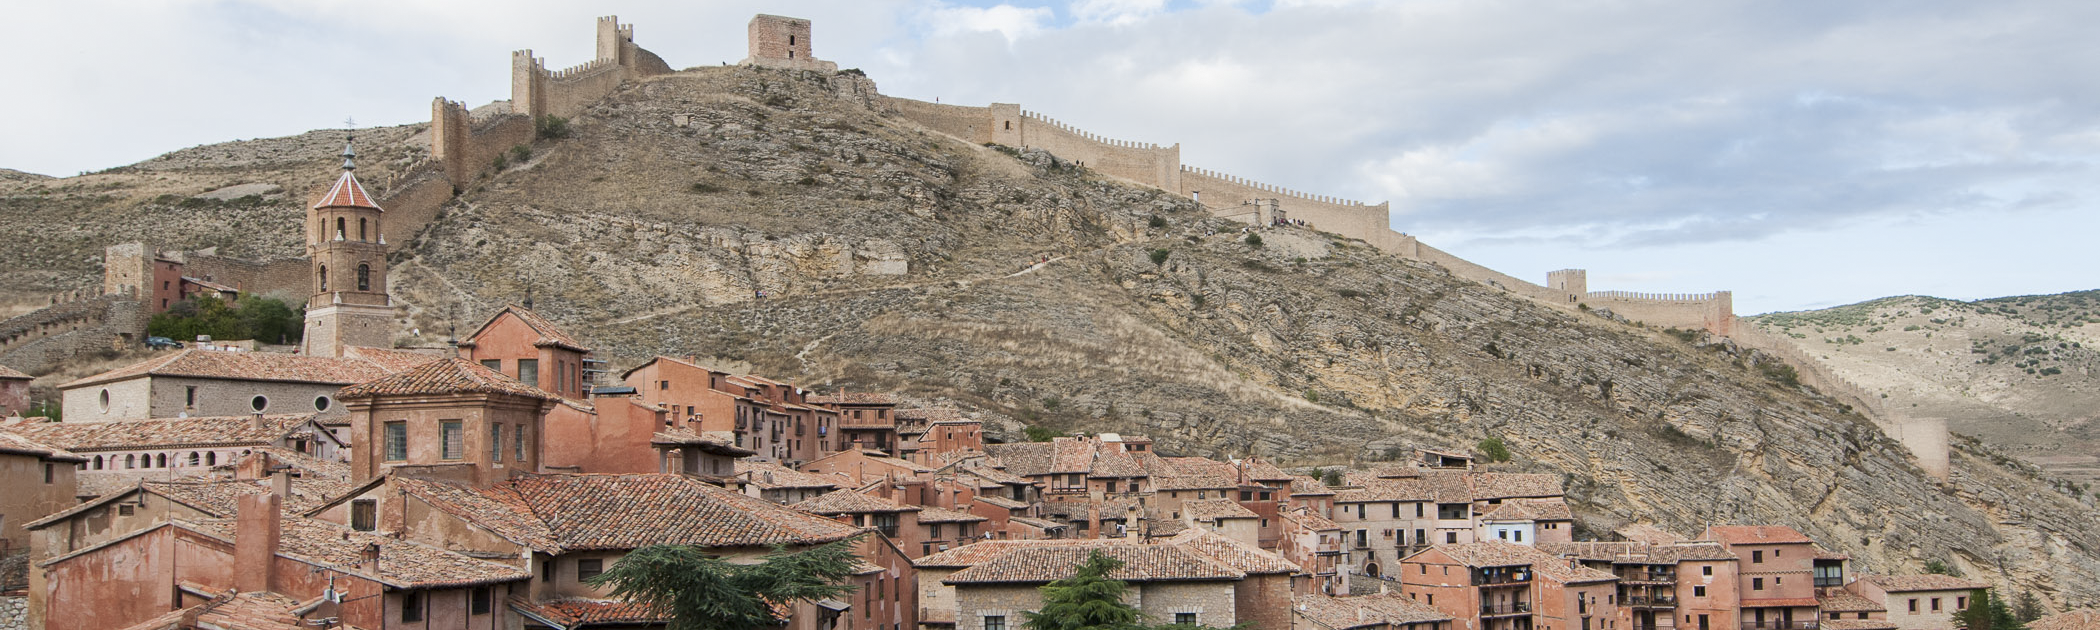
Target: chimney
{"x": 255, "y": 466}
{"x": 281, "y": 485}
{"x": 256, "y": 421}
{"x": 1093, "y": 517}
{"x": 258, "y": 524}
{"x": 368, "y": 557}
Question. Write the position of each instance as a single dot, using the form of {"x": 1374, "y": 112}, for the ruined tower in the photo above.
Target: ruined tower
{"x": 783, "y": 42}
{"x": 349, "y": 304}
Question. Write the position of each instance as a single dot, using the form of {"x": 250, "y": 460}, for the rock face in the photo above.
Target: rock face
{"x": 1009, "y": 281}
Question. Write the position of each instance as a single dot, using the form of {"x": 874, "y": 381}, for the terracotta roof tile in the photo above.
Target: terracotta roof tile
{"x": 769, "y": 475}
{"x": 995, "y": 475}
{"x": 1496, "y": 553}
{"x": 1202, "y": 466}
{"x": 579, "y": 612}
{"x": 1259, "y": 469}
{"x": 402, "y": 563}
{"x": 1303, "y": 486}
{"x": 1193, "y": 482}
{"x": 451, "y": 375}
{"x": 8, "y": 373}
{"x": 1141, "y": 563}
{"x": 1344, "y": 613}
{"x": 848, "y": 501}
{"x": 1529, "y": 510}
{"x": 979, "y": 552}
{"x": 231, "y": 610}
{"x": 1205, "y": 510}
{"x": 1865, "y": 624}
{"x": 1843, "y": 602}
{"x": 943, "y": 515}
{"x": 1027, "y": 459}
{"x": 1113, "y": 465}
{"x": 587, "y": 511}
{"x": 164, "y": 433}
{"x": 550, "y": 334}
{"x": 16, "y": 444}
{"x": 1002, "y": 502}
{"x": 682, "y": 436}
{"x": 389, "y": 360}
{"x": 1307, "y": 519}
{"x": 855, "y": 398}
{"x": 346, "y": 193}
{"x": 2082, "y": 619}
{"x": 1072, "y": 455}
{"x": 500, "y": 512}
{"x": 246, "y": 366}
{"x": 1927, "y": 582}
{"x": 1240, "y": 556}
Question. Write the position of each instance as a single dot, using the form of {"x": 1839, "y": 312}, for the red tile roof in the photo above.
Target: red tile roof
{"x": 1141, "y": 563}
{"x": 9, "y": 373}
{"x": 1865, "y": 624}
{"x": 1002, "y": 502}
{"x": 769, "y": 475}
{"x": 1779, "y": 602}
{"x": 1212, "y": 509}
{"x": 346, "y": 193}
{"x": 1529, "y": 510}
{"x": 591, "y": 511}
{"x": 1927, "y": 582}
{"x": 1756, "y": 535}
{"x": 848, "y": 501}
{"x": 1843, "y": 602}
{"x": 163, "y": 433}
{"x": 1495, "y": 553}
{"x": 578, "y": 612}
{"x": 232, "y": 610}
{"x": 974, "y": 553}
{"x": 450, "y": 375}
{"x": 15, "y": 444}
{"x": 550, "y": 334}
{"x": 1307, "y": 519}
{"x": 943, "y": 515}
{"x": 245, "y": 366}
{"x": 1345, "y": 613}
{"x": 855, "y": 398}
{"x": 1240, "y": 556}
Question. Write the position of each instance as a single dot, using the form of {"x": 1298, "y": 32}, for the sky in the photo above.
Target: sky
{"x": 1800, "y": 154}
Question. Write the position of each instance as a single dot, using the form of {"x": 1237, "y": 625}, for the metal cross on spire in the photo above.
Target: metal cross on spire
{"x": 349, "y": 144}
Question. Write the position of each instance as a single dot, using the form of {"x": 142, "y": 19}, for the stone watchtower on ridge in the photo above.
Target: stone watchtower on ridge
{"x": 783, "y": 42}
{"x": 349, "y": 304}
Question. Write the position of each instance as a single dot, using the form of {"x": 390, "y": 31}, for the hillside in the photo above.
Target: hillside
{"x": 894, "y": 258}
{"x": 2021, "y": 373}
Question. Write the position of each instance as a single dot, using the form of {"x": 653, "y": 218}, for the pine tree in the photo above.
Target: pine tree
{"x": 1986, "y": 612}
{"x": 1089, "y": 600}
{"x": 2028, "y": 608}
{"x": 698, "y": 591}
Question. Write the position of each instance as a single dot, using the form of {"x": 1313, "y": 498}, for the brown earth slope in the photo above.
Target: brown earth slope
{"x": 653, "y": 228}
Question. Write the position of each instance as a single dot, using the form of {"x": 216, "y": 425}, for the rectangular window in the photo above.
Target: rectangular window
{"x": 1961, "y": 603}
{"x": 1421, "y": 535}
{"x": 495, "y": 442}
{"x": 1757, "y": 584}
{"x": 518, "y": 438}
{"x": 479, "y": 600}
{"x": 1184, "y": 619}
{"x": 189, "y": 396}
{"x": 50, "y": 472}
{"x": 411, "y": 606}
{"x": 1396, "y": 510}
{"x": 1520, "y": 536}
{"x": 529, "y": 371}
{"x": 1914, "y": 604}
{"x": 995, "y": 622}
{"x": 547, "y": 571}
{"x": 396, "y": 441}
{"x": 589, "y": 568}
{"x": 1935, "y": 604}
{"x": 1450, "y": 538}
{"x": 495, "y": 365}
{"x": 1698, "y": 591}
{"x": 364, "y": 514}
{"x": 1418, "y": 510}
{"x": 454, "y": 442}
{"x": 1757, "y": 555}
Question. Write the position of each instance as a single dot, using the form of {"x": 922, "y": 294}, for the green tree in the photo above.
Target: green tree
{"x": 1159, "y": 257}
{"x": 252, "y": 317}
{"x": 1041, "y": 434}
{"x": 699, "y": 591}
{"x": 1089, "y": 600}
{"x": 1494, "y": 450}
{"x": 1254, "y": 240}
{"x": 1940, "y": 567}
{"x": 1333, "y": 478}
{"x": 1986, "y": 612}
{"x": 2028, "y": 608}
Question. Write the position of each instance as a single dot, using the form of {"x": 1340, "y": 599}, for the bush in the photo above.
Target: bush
{"x": 252, "y": 317}
{"x": 1041, "y": 434}
{"x": 1351, "y": 293}
{"x": 501, "y": 163}
{"x": 1493, "y": 450}
{"x": 1333, "y": 477}
{"x": 1159, "y": 257}
{"x": 1254, "y": 240}
{"x": 1940, "y": 567}
{"x": 1157, "y": 222}
{"x": 807, "y": 181}
{"x": 520, "y": 154}
{"x": 705, "y": 188}
{"x": 550, "y": 127}
{"x": 1312, "y": 396}
{"x": 1780, "y": 372}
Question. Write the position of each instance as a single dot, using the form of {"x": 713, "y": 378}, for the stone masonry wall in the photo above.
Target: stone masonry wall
{"x": 1713, "y": 312}
{"x": 14, "y": 612}
{"x": 37, "y": 342}
{"x": 285, "y": 276}
{"x": 972, "y": 124}
{"x": 1147, "y": 164}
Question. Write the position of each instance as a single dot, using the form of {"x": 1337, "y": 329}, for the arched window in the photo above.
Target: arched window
{"x": 364, "y": 277}
{"x": 160, "y": 461}
{"x": 324, "y": 278}
{"x": 338, "y": 228}
{"x": 131, "y": 461}
{"x": 196, "y": 459}
{"x": 211, "y": 458}
{"x": 361, "y": 230}
{"x": 98, "y": 462}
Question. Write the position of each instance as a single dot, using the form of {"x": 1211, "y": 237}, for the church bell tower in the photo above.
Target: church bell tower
{"x": 349, "y": 305}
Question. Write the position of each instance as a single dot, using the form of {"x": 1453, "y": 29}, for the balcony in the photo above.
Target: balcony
{"x": 1646, "y": 601}
{"x": 1780, "y": 625}
{"x": 1504, "y": 609}
{"x": 1648, "y": 576}
{"x": 1499, "y": 578}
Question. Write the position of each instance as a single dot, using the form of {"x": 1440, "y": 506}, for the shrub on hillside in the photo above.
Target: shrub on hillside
{"x": 267, "y": 320}
{"x": 551, "y": 127}
{"x": 1494, "y": 450}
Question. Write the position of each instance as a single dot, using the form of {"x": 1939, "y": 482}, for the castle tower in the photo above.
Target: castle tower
{"x": 783, "y": 42}
{"x": 349, "y": 306}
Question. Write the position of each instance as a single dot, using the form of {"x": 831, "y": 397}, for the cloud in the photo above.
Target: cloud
{"x": 1116, "y": 12}
{"x": 1014, "y": 23}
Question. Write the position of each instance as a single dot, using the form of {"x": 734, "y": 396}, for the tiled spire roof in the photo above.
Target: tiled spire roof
{"x": 347, "y": 193}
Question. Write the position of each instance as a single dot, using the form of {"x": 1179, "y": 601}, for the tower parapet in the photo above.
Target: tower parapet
{"x": 783, "y": 42}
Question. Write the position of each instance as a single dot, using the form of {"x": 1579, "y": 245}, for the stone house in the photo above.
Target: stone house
{"x": 1775, "y": 575}
{"x": 1843, "y": 610}
{"x": 14, "y": 392}
{"x": 1395, "y": 512}
{"x": 865, "y": 418}
{"x": 1918, "y": 602}
{"x": 1383, "y": 611}
{"x": 718, "y": 403}
{"x": 1488, "y": 585}
{"x": 1226, "y": 517}
{"x": 918, "y": 530}
{"x": 1527, "y": 521}
{"x": 383, "y": 582}
{"x": 1263, "y": 597}
{"x": 120, "y": 454}
{"x": 197, "y": 382}
{"x": 864, "y": 466}
{"x": 449, "y": 417}
{"x": 39, "y": 481}
{"x": 1313, "y": 542}
{"x": 783, "y": 485}
{"x": 1575, "y": 597}
{"x": 1663, "y": 585}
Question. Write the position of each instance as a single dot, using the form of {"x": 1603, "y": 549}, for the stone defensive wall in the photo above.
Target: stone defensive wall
{"x": 412, "y": 197}
{"x": 285, "y": 277}
{"x": 1925, "y": 438}
{"x": 1148, "y": 164}
{"x": 1712, "y": 312}
{"x": 464, "y": 147}
{"x": 38, "y": 342}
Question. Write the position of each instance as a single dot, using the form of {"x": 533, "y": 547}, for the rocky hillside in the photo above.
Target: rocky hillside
{"x": 894, "y": 258}
{"x": 2021, "y": 373}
